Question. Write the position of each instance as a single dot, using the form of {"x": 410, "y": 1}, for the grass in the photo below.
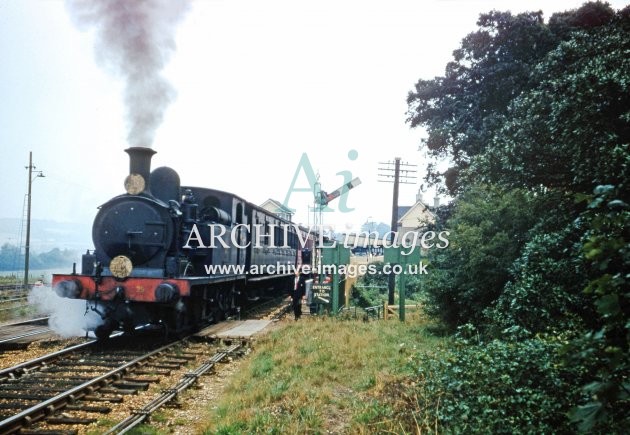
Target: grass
{"x": 321, "y": 375}
{"x": 4, "y": 279}
{"x": 15, "y": 311}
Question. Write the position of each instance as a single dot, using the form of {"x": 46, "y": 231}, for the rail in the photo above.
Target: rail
{"x": 190, "y": 378}
{"x": 19, "y": 369}
{"x": 47, "y": 407}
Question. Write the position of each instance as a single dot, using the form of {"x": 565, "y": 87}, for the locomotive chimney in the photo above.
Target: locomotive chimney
{"x": 139, "y": 166}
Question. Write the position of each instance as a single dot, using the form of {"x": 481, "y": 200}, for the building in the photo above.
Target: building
{"x": 415, "y": 217}
{"x": 276, "y": 207}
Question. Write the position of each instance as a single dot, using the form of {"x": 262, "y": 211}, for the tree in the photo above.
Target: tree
{"x": 544, "y": 293}
{"x": 533, "y": 250}
{"x": 488, "y": 229}
{"x": 10, "y": 257}
{"x": 380, "y": 228}
{"x": 572, "y": 130}
{"x": 463, "y": 110}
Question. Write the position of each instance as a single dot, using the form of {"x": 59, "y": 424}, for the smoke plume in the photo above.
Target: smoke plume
{"x": 134, "y": 39}
{"x": 68, "y": 317}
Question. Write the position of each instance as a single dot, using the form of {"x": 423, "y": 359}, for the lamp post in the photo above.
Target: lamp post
{"x": 27, "y": 245}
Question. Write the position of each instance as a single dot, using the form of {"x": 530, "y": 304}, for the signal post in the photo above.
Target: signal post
{"x": 394, "y": 256}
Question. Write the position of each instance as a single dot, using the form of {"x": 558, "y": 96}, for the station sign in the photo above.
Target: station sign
{"x": 321, "y": 293}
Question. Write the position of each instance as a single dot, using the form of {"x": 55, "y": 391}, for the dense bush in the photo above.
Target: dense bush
{"x": 488, "y": 228}
{"x": 529, "y": 113}
{"x": 546, "y": 292}
{"x": 502, "y": 386}
{"x": 605, "y": 350}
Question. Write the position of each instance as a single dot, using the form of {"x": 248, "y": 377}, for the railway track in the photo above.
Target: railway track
{"x": 13, "y": 292}
{"x": 13, "y": 299}
{"x": 10, "y": 333}
{"x": 12, "y": 287}
{"x": 78, "y": 385}
{"x": 272, "y": 309}
{"x": 187, "y": 380}
{"x": 35, "y": 321}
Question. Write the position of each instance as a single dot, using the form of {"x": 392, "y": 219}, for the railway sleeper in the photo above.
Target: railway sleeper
{"x": 87, "y": 408}
{"x": 70, "y": 420}
{"x": 13, "y": 406}
{"x": 15, "y": 345}
{"x": 22, "y": 396}
{"x": 128, "y": 385}
{"x": 190, "y": 356}
{"x": 150, "y": 379}
{"x": 121, "y": 391}
{"x": 165, "y": 366}
{"x": 111, "y": 399}
{"x": 48, "y": 432}
{"x": 69, "y": 369}
{"x": 52, "y": 389}
{"x": 89, "y": 364}
{"x": 152, "y": 372}
{"x": 41, "y": 382}
{"x": 177, "y": 362}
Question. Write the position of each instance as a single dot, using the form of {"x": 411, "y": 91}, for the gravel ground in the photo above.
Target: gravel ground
{"x": 190, "y": 417}
{"x": 186, "y": 417}
{"x": 9, "y": 358}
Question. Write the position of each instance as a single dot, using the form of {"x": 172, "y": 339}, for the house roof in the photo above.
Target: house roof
{"x": 402, "y": 210}
{"x": 276, "y": 205}
{"x": 410, "y": 209}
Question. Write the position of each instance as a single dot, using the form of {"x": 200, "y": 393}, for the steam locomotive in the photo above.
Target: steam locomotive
{"x": 153, "y": 258}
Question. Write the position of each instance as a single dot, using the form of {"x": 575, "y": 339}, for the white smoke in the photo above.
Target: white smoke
{"x": 68, "y": 317}
{"x": 135, "y": 38}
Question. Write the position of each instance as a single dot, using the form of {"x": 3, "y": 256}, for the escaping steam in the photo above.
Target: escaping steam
{"x": 68, "y": 317}
{"x": 135, "y": 39}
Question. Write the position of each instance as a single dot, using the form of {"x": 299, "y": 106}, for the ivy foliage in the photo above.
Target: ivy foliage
{"x": 605, "y": 349}
{"x": 500, "y": 386}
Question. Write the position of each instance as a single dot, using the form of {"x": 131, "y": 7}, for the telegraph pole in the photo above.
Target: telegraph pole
{"x": 27, "y": 245}
{"x": 398, "y": 178}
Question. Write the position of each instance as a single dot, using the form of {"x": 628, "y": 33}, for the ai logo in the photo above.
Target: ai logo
{"x": 305, "y": 166}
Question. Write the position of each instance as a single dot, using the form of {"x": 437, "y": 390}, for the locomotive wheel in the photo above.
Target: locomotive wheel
{"x": 223, "y": 304}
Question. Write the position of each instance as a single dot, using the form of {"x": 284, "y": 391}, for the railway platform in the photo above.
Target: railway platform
{"x": 235, "y": 329}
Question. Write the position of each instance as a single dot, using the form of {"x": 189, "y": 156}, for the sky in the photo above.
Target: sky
{"x": 260, "y": 86}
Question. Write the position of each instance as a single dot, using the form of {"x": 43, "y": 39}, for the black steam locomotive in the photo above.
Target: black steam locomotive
{"x": 180, "y": 256}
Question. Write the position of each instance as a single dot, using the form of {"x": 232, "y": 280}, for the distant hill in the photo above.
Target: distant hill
{"x": 48, "y": 234}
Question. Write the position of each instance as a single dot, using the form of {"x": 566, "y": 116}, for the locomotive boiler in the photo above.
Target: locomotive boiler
{"x": 150, "y": 264}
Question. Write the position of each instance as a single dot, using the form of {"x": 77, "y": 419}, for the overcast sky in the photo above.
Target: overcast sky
{"x": 258, "y": 82}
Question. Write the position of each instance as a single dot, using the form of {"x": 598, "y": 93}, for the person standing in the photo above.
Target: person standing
{"x": 299, "y": 289}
